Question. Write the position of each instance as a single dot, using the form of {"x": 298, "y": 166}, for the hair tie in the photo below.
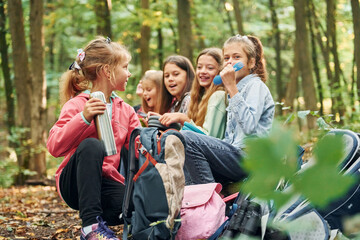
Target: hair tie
{"x": 81, "y": 54}
{"x": 74, "y": 65}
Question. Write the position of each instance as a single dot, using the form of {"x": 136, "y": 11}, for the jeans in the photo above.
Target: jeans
{"x": 208, "y": 159}
{"x": 83, "y": 187}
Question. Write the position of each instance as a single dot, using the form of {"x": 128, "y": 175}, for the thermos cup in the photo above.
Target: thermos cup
{"x": 104, "y": 128}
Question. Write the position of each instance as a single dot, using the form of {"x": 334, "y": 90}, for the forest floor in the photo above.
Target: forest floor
{"x": 37, "y": 212}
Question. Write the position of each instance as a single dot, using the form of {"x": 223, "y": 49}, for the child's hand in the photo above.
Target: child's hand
{"x": 228, "y": 79}
{"x": 153, "y": 113}
{"x": 169, "y": 118}
{"x": 93, "y": 107}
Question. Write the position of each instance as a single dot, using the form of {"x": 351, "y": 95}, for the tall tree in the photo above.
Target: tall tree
{"x": 30, "y": 87}
{"x": 227, "y": 10}
{"x": 276, "y": 31}
{"x": 160, "y": 46}
{"x": 51, "y": 30}
{"x": 103, "y": 17}
{"x": 335, "y": 85}
{"x": 238, "y": 17}
{"x": 160, "y": 41}
{"x": 305, "y": 66}
{"x": 23, "y": 81}
{"x": 184, "y": 27}
{"x": 314, "y": 56}
{"x": 356, "y": 21}
{"x": 292, "y": 85}
{"x": 9, "y": 92}
{"x": 145, "y": 32}
{"x": 38, "y": 97}
{"x": 319, "y": 32}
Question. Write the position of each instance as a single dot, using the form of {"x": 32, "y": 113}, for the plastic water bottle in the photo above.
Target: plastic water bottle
{"x": 217, "y": 79}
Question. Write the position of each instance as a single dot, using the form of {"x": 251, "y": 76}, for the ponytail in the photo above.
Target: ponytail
{"x": 260, "y": 64}
{"x": 71, "y": 83}
{"x": 253, "y": 49}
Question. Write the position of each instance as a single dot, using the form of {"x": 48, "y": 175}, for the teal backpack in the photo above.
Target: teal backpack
{"x": 154, "y": 184}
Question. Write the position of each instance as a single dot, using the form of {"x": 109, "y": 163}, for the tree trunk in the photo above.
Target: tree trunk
{"x": 9, "y": 92}
{"x": 238, "y": 17}
{"x": 184, "y": 27}
{"x": 353, "y": 90}
{"x": 38, "y": 107}
{"x": 315, "y": 59}
{"x": 22, "y": 81}
{"x": 305, "y": 66}
{"x": 335, "y": 84}
{"x": 292, "y": 86}
{"x": 50, "y": 7}
{"x": 324, "y": 50}
{"x": 228, "y": 19}
{"x": 356, "y": 21}
{"x": 160, "y": 47}
{"x": 276, "y": 30}
{"x": 145, "y": 32}
{"x": 103, "y": 18}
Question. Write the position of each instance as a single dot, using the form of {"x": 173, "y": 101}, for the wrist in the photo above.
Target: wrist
{"x": 185, "y": 119}
{"x": 85, "y": 119}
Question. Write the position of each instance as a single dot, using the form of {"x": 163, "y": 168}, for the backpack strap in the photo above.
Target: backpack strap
{"x": 149, "y": 158}
{"x": 238, "y": 201}
{"x": 131, "y": 167}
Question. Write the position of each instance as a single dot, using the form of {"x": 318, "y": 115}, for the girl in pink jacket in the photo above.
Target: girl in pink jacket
{"x": 88, "y": 180}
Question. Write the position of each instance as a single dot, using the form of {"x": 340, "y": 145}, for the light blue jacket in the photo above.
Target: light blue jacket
{"x": 250, "y": 111}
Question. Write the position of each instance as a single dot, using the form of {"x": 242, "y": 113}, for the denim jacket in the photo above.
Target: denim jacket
{"x": 250, "y": 111}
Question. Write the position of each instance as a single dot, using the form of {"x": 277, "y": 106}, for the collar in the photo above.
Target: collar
{"x": 243, "y": 82}
{"x": 113, "y": 94}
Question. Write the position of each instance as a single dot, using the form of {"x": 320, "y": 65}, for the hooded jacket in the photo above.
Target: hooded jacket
{"x": 71, "y": 129}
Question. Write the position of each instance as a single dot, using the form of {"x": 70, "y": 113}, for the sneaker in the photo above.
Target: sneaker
{"x": 99, "y": 231}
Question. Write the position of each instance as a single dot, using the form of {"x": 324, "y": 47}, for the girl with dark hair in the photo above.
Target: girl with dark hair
{"x": 178, "y": 77}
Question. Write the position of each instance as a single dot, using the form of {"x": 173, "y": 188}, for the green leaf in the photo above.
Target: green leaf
{"x": 290, "y": 118}
{"x": 268, "y": 160}
{"x": 329, "y": 150}
{"x": 322, "y": 124}
{"x": 322, "y": 184}
{"x": 315, "y": 113}
{"x": 285, "y": 108}
{"x": 303, "y": 114}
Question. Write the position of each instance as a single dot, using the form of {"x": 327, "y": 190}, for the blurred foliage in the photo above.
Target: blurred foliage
{"x": 273, "y": 160}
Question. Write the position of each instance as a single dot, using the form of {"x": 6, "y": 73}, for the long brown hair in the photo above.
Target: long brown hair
{"x": 199, "y": 97}
{"x": 253, "y": 49}
{"x": 86, "y": 68}
{"x": 185, "y": 64}
{"x": 155, "y": 77}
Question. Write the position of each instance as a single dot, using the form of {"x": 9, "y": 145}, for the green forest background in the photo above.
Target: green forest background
{"x": 312, "y": 50}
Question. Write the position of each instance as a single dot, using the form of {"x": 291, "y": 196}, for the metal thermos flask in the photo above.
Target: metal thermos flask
{"x": 104, "y": 128}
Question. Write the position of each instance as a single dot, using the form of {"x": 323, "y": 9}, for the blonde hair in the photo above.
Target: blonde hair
{"x": 199, "y": 96}
{"x": 155, "y": 77}
{"x": 167, "y": 99}
{"x": 84, "y": 71}
{"x": 253, "y": 49}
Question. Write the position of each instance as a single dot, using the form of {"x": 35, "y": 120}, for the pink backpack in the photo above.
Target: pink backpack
{"x": 202, "y": 211}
